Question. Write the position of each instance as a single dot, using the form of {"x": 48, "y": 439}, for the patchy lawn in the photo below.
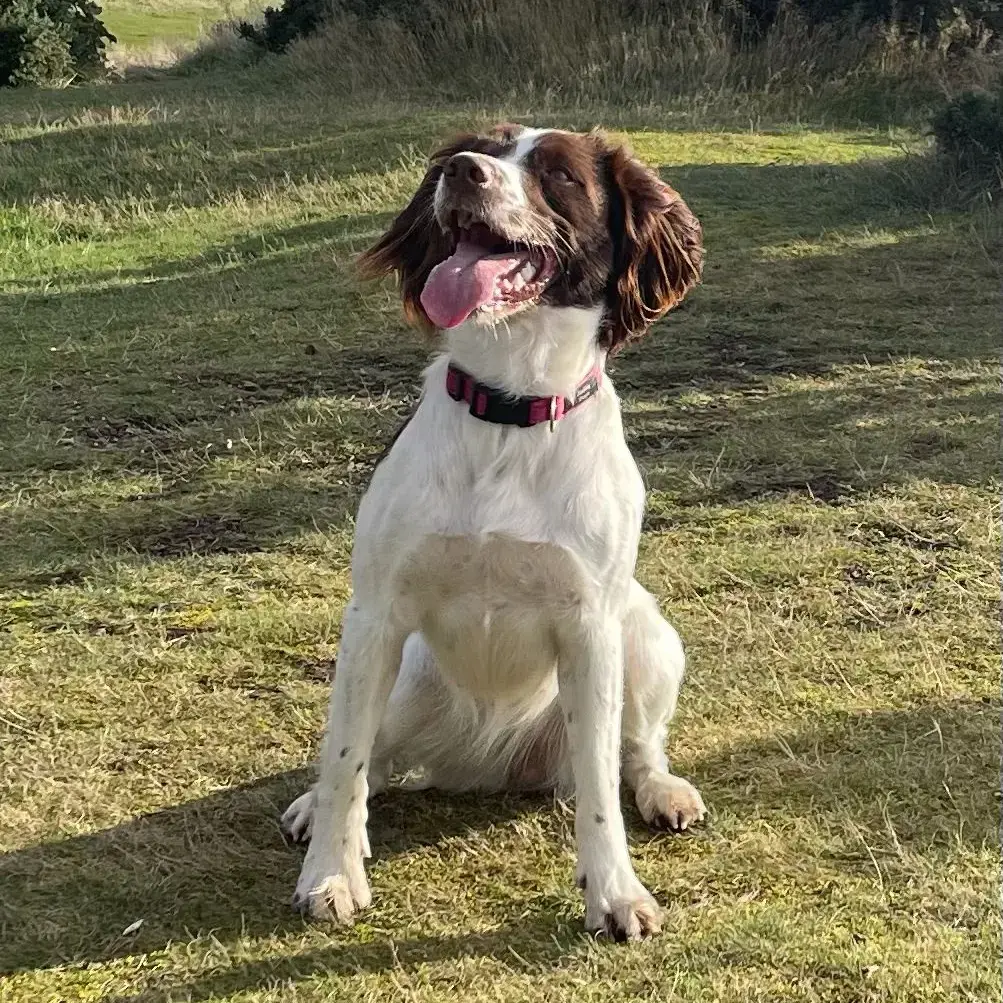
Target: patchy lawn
{"x": 144, "y": 23}
{"x": 194, "y": 391}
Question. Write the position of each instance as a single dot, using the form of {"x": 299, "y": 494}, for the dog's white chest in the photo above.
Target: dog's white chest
{"x": 489, "y": 606}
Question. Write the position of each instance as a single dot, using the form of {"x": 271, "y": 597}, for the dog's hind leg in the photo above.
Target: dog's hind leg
{"x": 417, "y": 705}
{"x": 654, "y": 664}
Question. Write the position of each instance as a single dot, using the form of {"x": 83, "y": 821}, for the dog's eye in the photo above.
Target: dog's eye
{"x": 560, "y": 175}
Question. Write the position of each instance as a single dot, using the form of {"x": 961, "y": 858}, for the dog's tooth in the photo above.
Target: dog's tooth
{"x": 527, "y": 271}
{"x": 518, "y": 282}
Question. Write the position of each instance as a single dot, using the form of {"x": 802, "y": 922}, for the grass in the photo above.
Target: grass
{"x": 144, "y": 23}
{"x": 152, "y": 36}
{"x": 195, "y": 389}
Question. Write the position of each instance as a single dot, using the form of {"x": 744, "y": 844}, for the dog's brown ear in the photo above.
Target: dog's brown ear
{"x": 658, "y": 249}
{"x": 415, "y": 243}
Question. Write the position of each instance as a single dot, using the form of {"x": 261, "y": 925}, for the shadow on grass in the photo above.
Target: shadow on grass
{"x": 220, "y": 864}
{"x": 271, "y": 247}
{"x": 535, "y": 935}
{"x": 217, "y": 864}
{"x": 832, "y": 443}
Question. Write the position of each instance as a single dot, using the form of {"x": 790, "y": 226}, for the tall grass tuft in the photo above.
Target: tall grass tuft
{"x": 643, "y": 52}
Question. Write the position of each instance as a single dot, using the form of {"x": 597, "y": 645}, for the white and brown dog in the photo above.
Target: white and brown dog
{"x": 496, "y": 637}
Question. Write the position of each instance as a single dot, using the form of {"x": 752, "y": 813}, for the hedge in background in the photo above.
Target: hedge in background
{"x": 969, "y": 131}
{"x": 50, "y": 43}
{"x": 295, "y": 19}
{"x": 301, "y": 18}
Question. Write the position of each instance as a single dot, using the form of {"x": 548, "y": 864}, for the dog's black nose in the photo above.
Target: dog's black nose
{"x": 470, "y": 169}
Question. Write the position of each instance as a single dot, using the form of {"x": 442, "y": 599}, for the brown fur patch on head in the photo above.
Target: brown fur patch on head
{"x": 565, "y": 184}
{"x": 506, "y": 132}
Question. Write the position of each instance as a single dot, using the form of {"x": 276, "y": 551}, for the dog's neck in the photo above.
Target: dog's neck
{"x": 543, "y": 351}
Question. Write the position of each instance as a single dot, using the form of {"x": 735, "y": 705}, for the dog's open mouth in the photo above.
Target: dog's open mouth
{"x": 485, "y": 272}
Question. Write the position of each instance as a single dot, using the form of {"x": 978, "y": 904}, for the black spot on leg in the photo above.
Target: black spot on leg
{"x": 358, "y": 769}
{"x": 583, "y": 882}
{"x": 344, "y": 752}
{"x": 600, "y": 819}
{"x": 570, "y": 717}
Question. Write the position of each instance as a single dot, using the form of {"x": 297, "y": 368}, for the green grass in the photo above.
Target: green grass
{"x": 143, "y": 23}
{"x": 194, "y": 391}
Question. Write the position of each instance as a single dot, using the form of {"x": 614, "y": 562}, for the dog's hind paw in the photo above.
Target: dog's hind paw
{"x": 669, "y": 802}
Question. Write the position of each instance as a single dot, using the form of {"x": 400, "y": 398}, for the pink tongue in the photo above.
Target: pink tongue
{"x": 464, "y": 282}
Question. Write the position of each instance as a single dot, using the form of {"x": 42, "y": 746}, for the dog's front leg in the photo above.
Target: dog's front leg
{"x": 590, "y": 680}
{"x": 332, "y": 883}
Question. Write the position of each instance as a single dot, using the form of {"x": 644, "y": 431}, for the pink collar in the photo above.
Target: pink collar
{"x": 501, "y": 408}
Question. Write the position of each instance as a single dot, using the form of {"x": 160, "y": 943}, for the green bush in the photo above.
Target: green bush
{"x": 969, "y": 131}
{"x": 280, "y": 26}
{"x": 925, "y": 17}
{"x": 51, "y": 42}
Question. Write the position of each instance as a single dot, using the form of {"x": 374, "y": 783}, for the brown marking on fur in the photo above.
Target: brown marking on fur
{"x": 565, "y": 170}
{"x": 506, "y": 132}
{"x": 566, "y": 185}
{"x": 659, "y": 253}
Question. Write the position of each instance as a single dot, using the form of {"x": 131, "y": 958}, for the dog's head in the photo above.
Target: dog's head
{"x": 518, "y": 218}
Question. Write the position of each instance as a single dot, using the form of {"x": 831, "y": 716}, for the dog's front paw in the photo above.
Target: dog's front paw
{"x": 297, "y": 819}
{"x": 331, "y": 889}
{"x": 626, "y": 915}
{"x": 669, "y": 802}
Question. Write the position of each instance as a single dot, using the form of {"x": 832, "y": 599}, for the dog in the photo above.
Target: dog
{"x": 496, "y": 637}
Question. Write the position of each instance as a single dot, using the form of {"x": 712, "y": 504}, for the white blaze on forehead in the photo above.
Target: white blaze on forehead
{"x": 525, "y": 142}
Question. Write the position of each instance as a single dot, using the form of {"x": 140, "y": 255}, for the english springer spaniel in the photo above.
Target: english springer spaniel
{"x": 496, "y": 637}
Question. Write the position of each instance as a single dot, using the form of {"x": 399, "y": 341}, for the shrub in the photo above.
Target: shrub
{"x": 280, "y": 26}
{"x": 925, "y": 17}
{"x": 969, "y": 131}
{"x": 51, "y": 42}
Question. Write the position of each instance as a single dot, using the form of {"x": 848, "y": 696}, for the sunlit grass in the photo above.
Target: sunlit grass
{"x": 194, "y": 391}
